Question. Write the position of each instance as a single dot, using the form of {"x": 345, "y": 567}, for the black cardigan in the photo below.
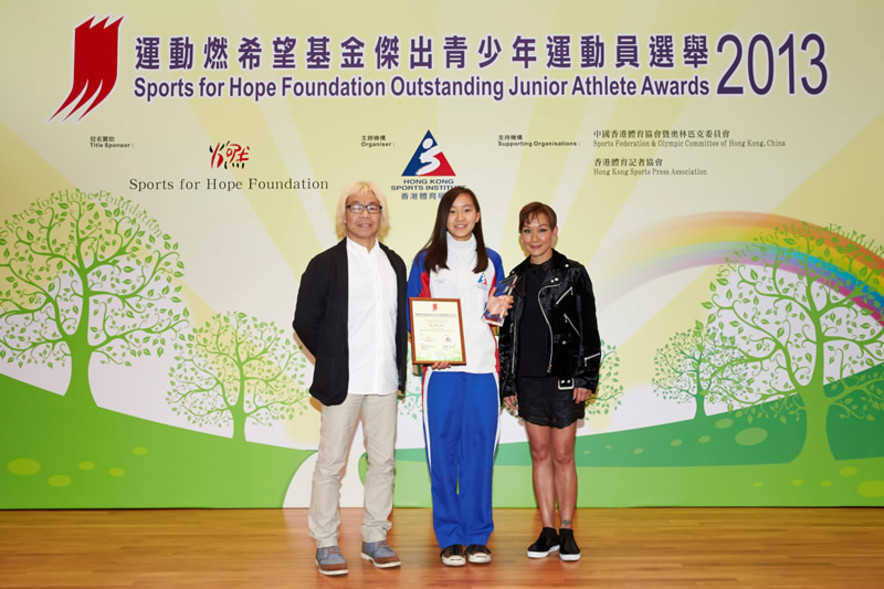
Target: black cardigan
{"x": 321, "y": 321}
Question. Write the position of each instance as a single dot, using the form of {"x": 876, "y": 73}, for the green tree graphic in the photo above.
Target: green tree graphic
{"x": 239, "y": 370}
{"x": 802, "y": 323}
{"x": 609, "y": 393}
{"x": 410, "y": 399}
{"x": 87, "y": 275}
{"x": 699, "y": 365}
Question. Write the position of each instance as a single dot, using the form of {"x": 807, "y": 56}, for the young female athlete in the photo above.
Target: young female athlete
{"x": 461, "y": 405}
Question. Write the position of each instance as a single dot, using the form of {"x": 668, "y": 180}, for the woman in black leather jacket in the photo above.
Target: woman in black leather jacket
{"x": 549, "y": 367}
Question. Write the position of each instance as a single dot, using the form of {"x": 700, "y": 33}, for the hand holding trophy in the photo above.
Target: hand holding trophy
{"x": 500, "y": 300}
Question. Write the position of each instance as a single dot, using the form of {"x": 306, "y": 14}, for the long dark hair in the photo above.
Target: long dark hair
{"x": 437, "y": 245}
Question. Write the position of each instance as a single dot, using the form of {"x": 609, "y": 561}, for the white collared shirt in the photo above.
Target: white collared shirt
{"x": 371, "y": 321}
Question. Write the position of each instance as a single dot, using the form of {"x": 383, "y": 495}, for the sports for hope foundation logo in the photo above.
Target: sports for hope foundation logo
{"x": 95, "y": 65}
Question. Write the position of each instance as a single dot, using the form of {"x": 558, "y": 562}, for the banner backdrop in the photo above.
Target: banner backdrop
{"x": 169, "y": 168}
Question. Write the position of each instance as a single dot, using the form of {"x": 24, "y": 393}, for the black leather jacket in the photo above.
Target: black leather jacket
{"x": 568, "y": 305}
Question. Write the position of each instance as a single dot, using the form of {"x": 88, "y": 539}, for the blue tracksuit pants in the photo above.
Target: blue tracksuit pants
{"x": 460, "y": 412}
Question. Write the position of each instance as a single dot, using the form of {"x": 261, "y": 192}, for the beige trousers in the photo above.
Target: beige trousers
{"x": 379, "y": 415}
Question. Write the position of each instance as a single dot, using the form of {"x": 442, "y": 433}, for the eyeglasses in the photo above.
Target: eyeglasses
{"x": 357, "y": 207}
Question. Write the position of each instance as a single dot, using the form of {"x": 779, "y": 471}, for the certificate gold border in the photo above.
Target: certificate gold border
{"x": 444, "y": 305}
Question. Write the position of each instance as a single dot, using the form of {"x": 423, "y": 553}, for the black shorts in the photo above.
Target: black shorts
{"x": 541, "y": 402}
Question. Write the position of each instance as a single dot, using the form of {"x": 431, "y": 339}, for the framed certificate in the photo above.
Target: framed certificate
{"x": 436, "y": 331}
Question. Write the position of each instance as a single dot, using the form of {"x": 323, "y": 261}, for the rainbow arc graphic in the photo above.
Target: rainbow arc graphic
{"x": 710, "y": 239}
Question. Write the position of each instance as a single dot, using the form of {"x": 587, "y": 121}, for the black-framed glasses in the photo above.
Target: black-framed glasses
{"x": 357, "y": 207}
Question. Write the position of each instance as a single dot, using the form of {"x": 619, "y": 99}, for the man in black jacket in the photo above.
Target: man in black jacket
{"x": 350, "y": 316}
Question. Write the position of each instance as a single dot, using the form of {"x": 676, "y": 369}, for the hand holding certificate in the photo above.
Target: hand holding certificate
{"x": 500, "y": 301}
{"x": 437, "y": 331}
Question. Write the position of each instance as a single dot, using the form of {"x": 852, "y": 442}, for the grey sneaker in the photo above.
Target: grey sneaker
{"x": 380, "y": 554}
{"x": 330, "y": 561}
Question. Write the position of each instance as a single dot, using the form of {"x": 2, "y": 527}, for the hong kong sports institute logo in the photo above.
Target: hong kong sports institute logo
{"x": 95, "y": 65}
{"x": 428, "y": 160}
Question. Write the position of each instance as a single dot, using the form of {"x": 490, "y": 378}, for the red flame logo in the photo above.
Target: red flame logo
{"x": 95, "y": 65}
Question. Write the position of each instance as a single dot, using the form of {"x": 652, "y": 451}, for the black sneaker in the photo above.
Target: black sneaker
{"x": 546, "y": 543}
{"x": 568, "y": 549}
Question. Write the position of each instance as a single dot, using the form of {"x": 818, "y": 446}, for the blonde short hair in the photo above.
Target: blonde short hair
{"x": 357, "y": 189}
